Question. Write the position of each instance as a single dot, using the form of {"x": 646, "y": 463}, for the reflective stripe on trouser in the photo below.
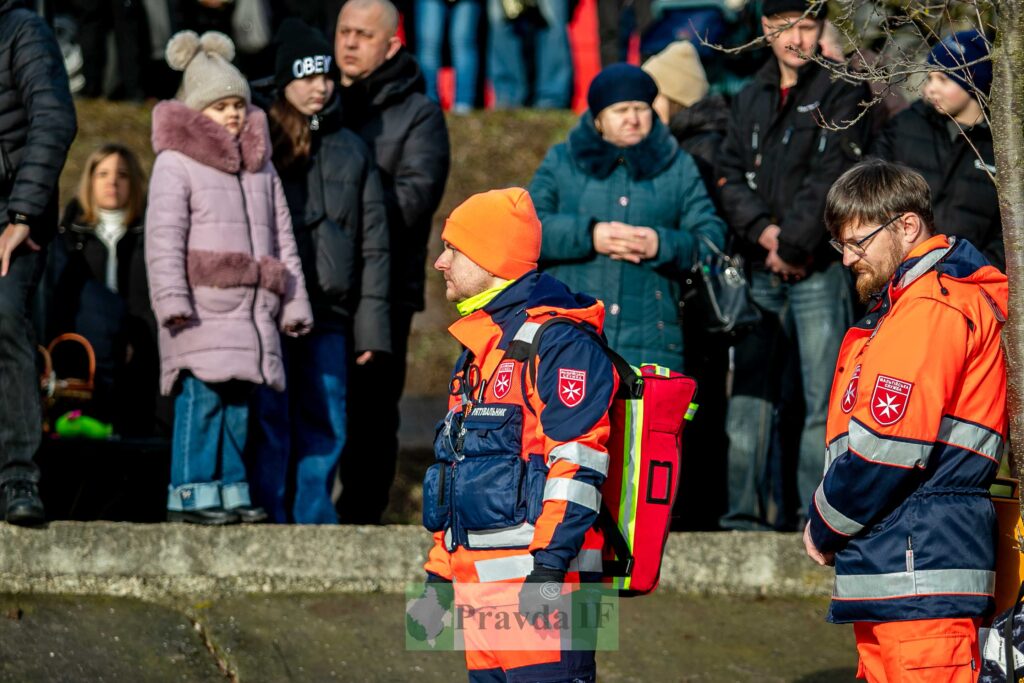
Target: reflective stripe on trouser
{"x": 921, "y": 651}
{"x": 518, "y": 566}
{"x": 909, "y": 584}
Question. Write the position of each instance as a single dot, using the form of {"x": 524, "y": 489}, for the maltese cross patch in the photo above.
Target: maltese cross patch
{"x": 889, "y": 400}
{"x": 572, "y": 386}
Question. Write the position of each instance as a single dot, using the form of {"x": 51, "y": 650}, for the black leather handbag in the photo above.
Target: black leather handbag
{"x": 719, "y": 286}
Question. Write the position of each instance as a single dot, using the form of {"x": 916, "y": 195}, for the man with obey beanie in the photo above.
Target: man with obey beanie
{"x": 522, "y": 518}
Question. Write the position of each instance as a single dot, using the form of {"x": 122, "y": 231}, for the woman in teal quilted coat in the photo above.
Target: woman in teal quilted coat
{"x": 625, "y": 216}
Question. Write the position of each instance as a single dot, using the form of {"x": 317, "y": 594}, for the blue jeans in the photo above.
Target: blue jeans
{"x": 210, "y": 424}
{"x": 301, "y": 431}
{"x": 789, "y": 357}
{"x": 506, "y": 63}
{"x": 463, "y": 19}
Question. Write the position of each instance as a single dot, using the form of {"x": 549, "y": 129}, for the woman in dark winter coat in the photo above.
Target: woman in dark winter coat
{"x": 625, "y": 216}
{"x": 95, "y": 285}
{"x": 336, "y": 201}
{"x": 698, "y": 122}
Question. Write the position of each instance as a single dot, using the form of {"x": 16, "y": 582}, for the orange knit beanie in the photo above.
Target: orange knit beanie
{"x": 498, "y": 230}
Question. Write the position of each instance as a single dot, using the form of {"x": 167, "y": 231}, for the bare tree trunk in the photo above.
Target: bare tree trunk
{"x": 1006, "y": 105}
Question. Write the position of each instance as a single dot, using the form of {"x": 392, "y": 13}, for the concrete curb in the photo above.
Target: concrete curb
{"x": 153, "y": 561}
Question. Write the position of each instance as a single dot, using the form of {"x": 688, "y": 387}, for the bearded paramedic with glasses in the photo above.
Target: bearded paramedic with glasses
{"x": 916, "y": 428}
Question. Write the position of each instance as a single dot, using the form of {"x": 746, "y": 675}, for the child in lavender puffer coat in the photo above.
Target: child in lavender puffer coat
{"x": 224, "y": 275}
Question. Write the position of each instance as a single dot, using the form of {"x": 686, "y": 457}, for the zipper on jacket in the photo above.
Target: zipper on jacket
{"x": 787, "y": 136}
{"x": 252, "y": 251}
{"x": 910, "y": 555}
{"x": 755, "y": 140}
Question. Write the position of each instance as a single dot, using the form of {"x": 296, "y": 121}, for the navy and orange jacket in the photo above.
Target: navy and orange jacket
{"x": 519, "y": 472}
{"x": 916, "y": 427}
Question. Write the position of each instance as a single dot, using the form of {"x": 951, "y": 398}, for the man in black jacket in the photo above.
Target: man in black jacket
{"x": 774, "y": 171}
{"x": 37, "y": 125}
{"x": 944, "y": 137}
{"x": 384, "y": 101}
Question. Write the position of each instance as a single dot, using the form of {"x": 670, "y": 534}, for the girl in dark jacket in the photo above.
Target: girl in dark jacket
{"x": 336, "y": 201}
{"x": 95, "y": 285}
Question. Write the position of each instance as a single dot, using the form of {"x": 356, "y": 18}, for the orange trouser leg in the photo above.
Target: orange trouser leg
{"x": 922, "y": 651}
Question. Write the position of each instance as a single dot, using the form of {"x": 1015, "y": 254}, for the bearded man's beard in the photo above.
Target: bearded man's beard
{"x": 871, "y": 280}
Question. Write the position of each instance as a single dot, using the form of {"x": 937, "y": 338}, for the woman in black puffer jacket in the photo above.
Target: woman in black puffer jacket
{"x": 334, "y": 194}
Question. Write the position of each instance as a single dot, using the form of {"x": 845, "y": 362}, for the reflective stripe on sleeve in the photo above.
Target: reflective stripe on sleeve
{"x": 839, "y": 445}
{"x": 895, "y": 452}
{"x": 835, "y": 519}
{"x": 587, "y": 561}
{"x": 578, "y": 492}
{"x": 509, "y": 537}
{"x": 971, "y": 437}
{"x": 584, "y": 456}
{"x": 923, "y": 582}
{"x": 504, "y": 568}
{"x": 526, "y": 332}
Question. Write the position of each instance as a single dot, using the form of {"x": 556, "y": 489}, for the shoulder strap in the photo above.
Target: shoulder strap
{"x": 631, "y": 384}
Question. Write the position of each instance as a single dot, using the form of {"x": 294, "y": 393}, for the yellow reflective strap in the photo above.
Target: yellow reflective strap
{"x": 690, "y": 412}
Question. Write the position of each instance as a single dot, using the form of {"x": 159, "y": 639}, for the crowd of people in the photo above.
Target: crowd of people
{"x": 502, "y": 53}
{"x": 271, "y": 265}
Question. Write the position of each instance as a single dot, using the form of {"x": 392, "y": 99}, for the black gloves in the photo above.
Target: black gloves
{"x": 541, "y": 596}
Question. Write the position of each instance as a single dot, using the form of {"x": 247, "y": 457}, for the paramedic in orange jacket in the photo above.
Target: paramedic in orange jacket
{"x": 916, "y": 426}
{"x": 515, "y": 492}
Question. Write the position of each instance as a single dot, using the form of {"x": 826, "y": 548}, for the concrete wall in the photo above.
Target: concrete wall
{"x": 151, "y": 561}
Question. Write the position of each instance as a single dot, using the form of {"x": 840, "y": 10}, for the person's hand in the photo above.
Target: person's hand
{"x": 611, "y": 237}
{"x": 212, "y": 4}
{"x": 624, "y": 242}
{"x": 298, "y": 328}
{"x": 541, "y": 596}
{"x": 823, "y": 559}
{"x": 642, "y": 244}
{"x": 769, "y": 238}
{"x": 177, "y": 321}
{"x": 364, "y": 358}
{"x": 13, "y": 236}
{"x": 787, "y": 271}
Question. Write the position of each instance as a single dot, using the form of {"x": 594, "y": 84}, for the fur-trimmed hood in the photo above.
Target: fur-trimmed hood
{"x": 181, "y": 129}
{"x": 598, "y": 158}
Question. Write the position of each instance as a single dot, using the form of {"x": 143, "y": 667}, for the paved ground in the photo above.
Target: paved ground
{"x": 360, "y": 638}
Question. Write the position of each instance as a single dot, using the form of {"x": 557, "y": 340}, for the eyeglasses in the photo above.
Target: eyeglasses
{"x": 857, "y": 247}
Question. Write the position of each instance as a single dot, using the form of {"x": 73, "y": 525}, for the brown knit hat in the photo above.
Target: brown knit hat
{"x": 678, "y": 72}
{"x": 209, "y": 74}
{"x": 498, "y": 230}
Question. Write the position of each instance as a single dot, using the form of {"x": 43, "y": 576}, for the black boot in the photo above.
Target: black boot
{"x": 249, "y": 514}
{"x": 207, "y": 516}
{"x": 20, "y": 504}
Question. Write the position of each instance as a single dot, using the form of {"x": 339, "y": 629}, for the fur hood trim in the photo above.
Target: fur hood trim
{"x": 181, "y": 129}
{"x": 599, "y": 158}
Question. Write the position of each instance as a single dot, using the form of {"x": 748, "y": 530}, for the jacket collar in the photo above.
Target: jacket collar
{"x": 329, "y": 118}
{"x": 769, "y": 73}
{"x": 533, "y": 295}
{"x": 948, "y": 257}
{"x": 181, "y": 129}
{"x": 709, "y": 115}
{"x": 941, "y": 121}
{"x": 393, "y": 80}
{"x": 598, "y": 158}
